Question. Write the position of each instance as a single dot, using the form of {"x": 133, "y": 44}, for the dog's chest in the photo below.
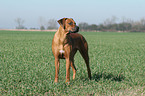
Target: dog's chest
{"x": 61, "y": 51}
{"x": 61, "y": 54}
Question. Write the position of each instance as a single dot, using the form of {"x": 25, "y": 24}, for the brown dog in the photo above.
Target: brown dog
{"x": 65, "y": 44}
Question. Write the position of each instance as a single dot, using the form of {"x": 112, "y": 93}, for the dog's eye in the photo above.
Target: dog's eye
{"x": 70, "y": 23}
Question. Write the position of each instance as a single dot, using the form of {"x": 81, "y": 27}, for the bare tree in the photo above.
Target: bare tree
{"x": 20, "y": 23}
{"x": 52, "y": 24}
{"x": 110, "y": 21}
{"x": 142, "y": 21}
{"x": 42, "y": 28}
{"x": 42, "y": 23}
{"x": 83, "y": 26}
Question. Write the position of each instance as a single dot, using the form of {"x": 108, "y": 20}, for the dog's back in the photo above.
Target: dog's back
{"x": 78, "y": 41}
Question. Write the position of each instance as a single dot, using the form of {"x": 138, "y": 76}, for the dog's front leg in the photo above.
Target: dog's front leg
{"x": 56, "y": 69}
{"x": 67, "y": 70}
{"x": 73, "y": 67}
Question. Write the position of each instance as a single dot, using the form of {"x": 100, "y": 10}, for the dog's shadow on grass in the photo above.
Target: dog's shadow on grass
{"x": 107, "y": 76}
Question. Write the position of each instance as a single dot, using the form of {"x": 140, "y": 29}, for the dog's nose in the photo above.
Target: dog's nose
{"x": 77, "y": 28}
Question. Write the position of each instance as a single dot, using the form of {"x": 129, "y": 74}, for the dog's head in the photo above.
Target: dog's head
{"x": 69, "y": 25}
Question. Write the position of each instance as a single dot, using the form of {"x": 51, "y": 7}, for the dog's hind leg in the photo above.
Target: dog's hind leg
{"x": 84, "y": 53}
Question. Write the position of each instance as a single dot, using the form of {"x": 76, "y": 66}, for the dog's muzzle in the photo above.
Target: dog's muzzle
{"x": 74, "y": 30}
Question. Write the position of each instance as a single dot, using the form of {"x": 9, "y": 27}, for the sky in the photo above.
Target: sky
{"x": 90, "y": 11}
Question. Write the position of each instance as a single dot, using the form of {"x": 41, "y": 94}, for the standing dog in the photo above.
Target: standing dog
{"x": 65, "y": 44}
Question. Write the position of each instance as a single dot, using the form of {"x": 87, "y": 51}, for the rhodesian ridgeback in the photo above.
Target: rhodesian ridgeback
{"x": 65, "y": 44}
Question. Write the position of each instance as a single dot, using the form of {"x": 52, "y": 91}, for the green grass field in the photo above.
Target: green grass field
{"x": 117, "y": 62}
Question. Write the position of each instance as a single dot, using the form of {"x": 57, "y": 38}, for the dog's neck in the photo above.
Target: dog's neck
{"x": 61, "y": 33}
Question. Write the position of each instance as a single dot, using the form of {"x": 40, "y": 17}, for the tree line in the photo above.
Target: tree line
{"x": 43, "y": 24}
{"x": 112, "y": 24}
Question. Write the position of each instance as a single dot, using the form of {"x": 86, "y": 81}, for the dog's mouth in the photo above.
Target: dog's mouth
{"x": 74, "y": 30}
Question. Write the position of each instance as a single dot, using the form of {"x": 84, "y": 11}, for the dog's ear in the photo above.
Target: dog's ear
{"x": 62, "y": 22}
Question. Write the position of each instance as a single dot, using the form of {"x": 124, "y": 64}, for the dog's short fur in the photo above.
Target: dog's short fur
{"x": 65, "y": 44}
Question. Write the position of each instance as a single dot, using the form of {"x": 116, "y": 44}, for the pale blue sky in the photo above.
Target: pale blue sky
{"x": 91, "y": 11}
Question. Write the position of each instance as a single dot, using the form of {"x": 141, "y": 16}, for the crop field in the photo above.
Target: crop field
{"x": 117, "y": 62}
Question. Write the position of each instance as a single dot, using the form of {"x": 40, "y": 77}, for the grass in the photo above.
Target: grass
{"x": 117, "y": 63}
